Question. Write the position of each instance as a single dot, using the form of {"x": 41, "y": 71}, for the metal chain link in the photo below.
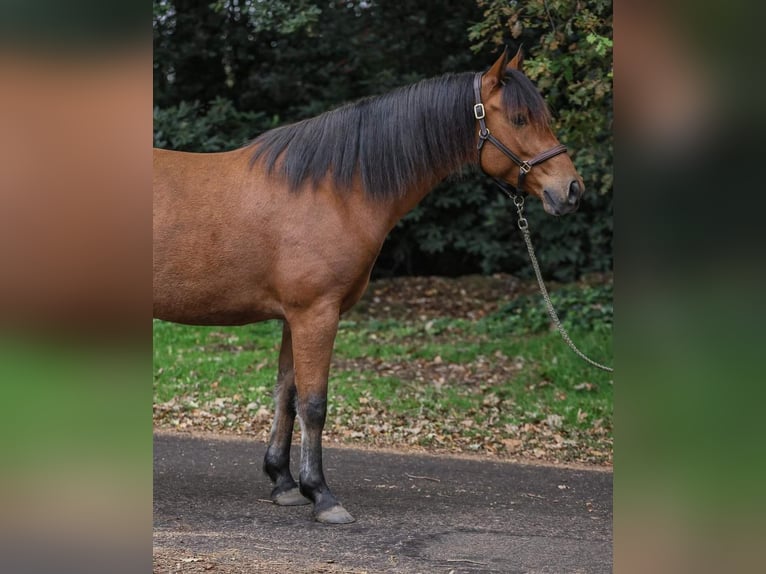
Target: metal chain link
{"x": 518, "y": 201}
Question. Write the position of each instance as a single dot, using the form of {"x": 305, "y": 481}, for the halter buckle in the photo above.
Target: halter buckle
{"x": 525, "y": 168}
{"x": 478, "y": 111}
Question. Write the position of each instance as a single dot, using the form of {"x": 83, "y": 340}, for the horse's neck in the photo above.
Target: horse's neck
{"x": 401, "y": 206}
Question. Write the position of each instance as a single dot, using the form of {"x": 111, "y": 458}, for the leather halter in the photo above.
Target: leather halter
{"x": 484, "y": 135}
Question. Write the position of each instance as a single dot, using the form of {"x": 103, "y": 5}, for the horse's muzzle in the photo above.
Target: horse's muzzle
{"x": 562, "y": 206}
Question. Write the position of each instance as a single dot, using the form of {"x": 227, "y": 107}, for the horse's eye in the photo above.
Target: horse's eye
{"x": 519, "y": 120}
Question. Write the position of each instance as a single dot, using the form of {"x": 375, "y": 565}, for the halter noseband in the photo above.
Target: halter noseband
{"x": 484, "y": 135}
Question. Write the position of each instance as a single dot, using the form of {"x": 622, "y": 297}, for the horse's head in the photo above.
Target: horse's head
{"x": 514, "y": 116}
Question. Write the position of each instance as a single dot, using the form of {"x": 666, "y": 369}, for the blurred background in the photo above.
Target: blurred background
{"x": 75, "y": 287}
{"x": 690, "y": 456}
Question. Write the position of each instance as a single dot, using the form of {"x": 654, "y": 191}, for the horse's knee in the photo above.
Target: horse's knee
{"x": 313, "y": 412}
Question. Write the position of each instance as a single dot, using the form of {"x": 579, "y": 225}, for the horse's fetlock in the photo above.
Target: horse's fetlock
{"x": 275, "y": 463}
{"x": 312, "y": 485}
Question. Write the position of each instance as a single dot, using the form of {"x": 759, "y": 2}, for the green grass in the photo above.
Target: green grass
{"x": 462, "y": 383}
{"x": 223, "y": 360}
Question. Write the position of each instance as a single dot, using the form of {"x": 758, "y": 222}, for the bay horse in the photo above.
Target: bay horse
{"x": 289, "y": 226}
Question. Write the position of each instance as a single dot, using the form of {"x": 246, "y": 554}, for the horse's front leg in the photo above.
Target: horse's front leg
{"x": 276, "y": 463}
{"x": 313, "y": 336}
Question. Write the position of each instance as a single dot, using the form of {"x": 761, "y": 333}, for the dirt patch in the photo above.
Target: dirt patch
{"x": 233, "y": 561}
{"x": 469, "y": 297}
{"x": 423, "y": 298}
{"x": 436, "y": 372}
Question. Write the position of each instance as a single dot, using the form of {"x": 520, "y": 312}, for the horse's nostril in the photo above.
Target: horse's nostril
{"x": 574, "y": 192}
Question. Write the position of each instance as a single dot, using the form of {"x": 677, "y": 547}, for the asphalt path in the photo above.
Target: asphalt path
{"x": 414, "y": 513}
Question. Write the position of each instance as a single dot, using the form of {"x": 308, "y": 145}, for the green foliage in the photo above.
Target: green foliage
{"x": 588, "y": 308}
{"x": 283, "y": 17}
{"x": 227, "y": 71}
{"x": 295, "y": 58}
{"x": 217, "y": 127}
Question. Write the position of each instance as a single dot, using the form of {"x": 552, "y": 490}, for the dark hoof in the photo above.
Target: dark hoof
{"x": 335, "y": 515}
{"x": 292, "y": 497}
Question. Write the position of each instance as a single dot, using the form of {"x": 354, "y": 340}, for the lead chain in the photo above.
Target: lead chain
{"x": 518, "y": 201}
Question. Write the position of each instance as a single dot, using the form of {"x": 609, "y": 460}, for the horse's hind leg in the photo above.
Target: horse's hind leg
{"x": 276, "y": 463}
{"x": 314, "y": 332}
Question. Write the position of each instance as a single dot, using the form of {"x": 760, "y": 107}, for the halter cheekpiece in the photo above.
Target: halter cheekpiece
{"x": 484, "y": 135}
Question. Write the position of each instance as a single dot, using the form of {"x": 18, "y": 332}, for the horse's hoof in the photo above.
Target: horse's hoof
{"x": 292, "y": 497}
{"x": 335, "y": 515}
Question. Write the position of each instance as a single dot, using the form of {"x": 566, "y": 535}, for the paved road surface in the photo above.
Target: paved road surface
{"x": 415, "y": 513}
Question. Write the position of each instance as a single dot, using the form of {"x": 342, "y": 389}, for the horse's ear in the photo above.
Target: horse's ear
{"x": 497, "y": 72}
{"x": 517, "y": 60}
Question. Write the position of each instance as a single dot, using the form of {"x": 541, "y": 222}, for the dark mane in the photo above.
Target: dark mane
{"x": 390, "y": 141}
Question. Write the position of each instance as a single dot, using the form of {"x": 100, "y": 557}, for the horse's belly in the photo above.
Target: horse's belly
{"x": 211, "y": 283}
{"x": 214, "y": 304}
{"x": 214, "y": 318}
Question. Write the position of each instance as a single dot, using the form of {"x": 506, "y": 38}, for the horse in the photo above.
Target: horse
{"x": 289, "y": 226}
